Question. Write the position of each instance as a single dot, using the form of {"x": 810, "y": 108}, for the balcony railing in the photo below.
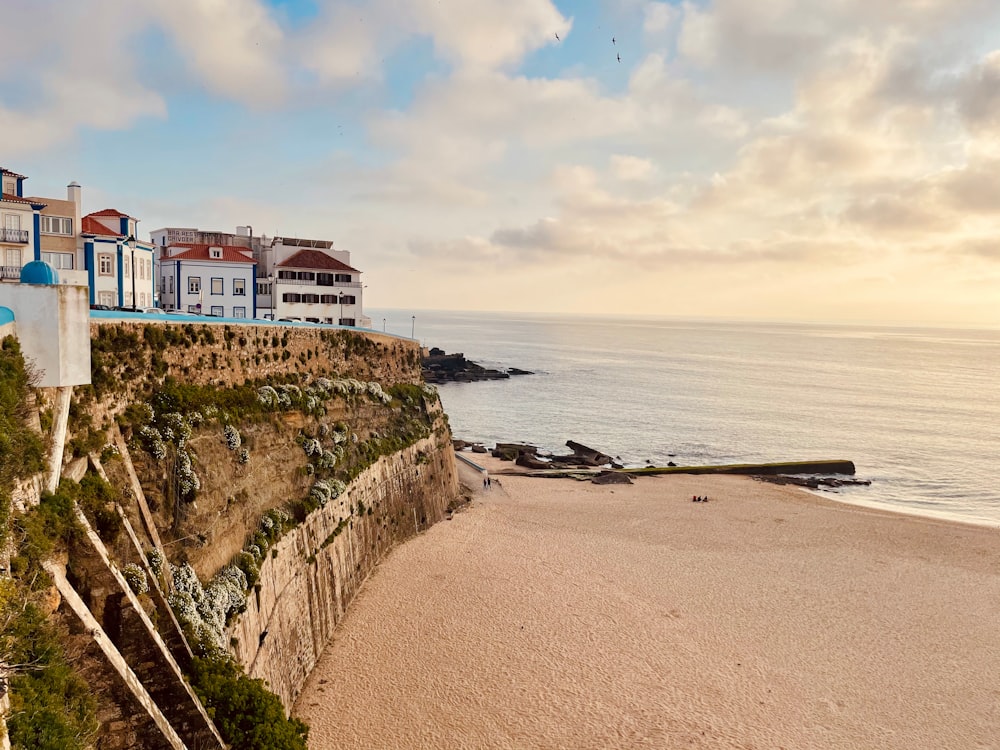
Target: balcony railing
{"x": 10, "y": 272}
{"x": 14, "y": 235}
{"x": 313, "y": 282}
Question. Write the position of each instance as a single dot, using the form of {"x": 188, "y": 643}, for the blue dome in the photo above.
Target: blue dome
{"x": 39, "y": 272}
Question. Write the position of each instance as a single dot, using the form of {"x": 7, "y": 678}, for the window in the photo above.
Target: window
{"x": 291, "y": 297}
{"x": 10, "y": 186}
{"x": 328, "y": 320}
{"x": 126, "y": 268}
{"x": 105, "y": 264}
{"x": 347, "y": 299}
{"x": 286, "y": 274}
{"x": 215, "y": 252}
{"x": 12, "y": 257}
{"x": 106, "y": 298}
{"x": 240, "y": 287}
{"x": 128, "y": 299}
{"x": 305, "y": 276}
{"x": 194, "y": 308}
{"x": 324, "y": 279}
{"x": 328, "y": 299}
{"x": 194, "y": 284}
{"x": 217, "y": 287}
{"x": 343, "y": 277}
{"x": 57, "y": 225}
{"x": 149, "y": 268}
{"x": 311, "y": 298}
{"x": 263, "y": 287}
{"x": 58, "y": 260}
{"x": 217, "y": 311}
{"x": 12, "y": 221}
{"x": 239, "y": 312}
{"x": 347, "y": 322}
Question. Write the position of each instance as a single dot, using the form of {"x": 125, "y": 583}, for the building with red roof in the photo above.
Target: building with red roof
{"x": 121, "y": 269}
{"x": 208, "y": 279}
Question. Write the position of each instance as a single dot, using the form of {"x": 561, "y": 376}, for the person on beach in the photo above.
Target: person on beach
{"x": 489, "y": 483}
{"x": 485, "y": 480}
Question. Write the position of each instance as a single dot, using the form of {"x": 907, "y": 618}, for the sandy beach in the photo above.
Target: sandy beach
{"x": 559, "y": 614}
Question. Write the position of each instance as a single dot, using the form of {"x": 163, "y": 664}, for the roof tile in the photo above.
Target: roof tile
{"x": 315, "y": 259}
{"x": 201, "y": 252}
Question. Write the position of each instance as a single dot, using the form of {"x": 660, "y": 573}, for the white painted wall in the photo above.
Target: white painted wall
{"x": 53, "y": 327}
{"x": 25, "y": 218}
{"x": 206, "y": 271}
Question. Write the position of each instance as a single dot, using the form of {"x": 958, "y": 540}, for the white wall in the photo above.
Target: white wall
{"x": 206, "y": 271}
{"x": 53, "y": 327}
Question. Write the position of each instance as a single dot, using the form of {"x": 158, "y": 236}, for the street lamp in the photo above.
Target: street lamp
{"x": 413, "y": 325}
{"x": 383, "y": 325}
{"x": 270, "y": 293}
{"x": 341, "y": 298}
{"x": 131, "y": 244}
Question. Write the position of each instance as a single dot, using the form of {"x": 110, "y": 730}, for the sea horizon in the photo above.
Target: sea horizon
{"x": 912, "y": 406}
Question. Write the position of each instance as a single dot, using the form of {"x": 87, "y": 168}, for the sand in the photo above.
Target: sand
{"x": 559, "y": 614}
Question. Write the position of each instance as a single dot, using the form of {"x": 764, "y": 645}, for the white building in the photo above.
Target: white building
{"x": 20, "y": 220}
{"x": 313, "y": 285}
{"x": 120, "y": 268}
{"x": 209, "y": 279}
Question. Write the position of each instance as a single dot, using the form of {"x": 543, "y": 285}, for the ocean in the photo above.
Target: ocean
{"x": 916, "y": 409}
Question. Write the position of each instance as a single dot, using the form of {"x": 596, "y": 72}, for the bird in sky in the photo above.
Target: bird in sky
{"x": 557, "y": 38}
{"x": 612, "y": 40}
{"x": 619, "y": 58}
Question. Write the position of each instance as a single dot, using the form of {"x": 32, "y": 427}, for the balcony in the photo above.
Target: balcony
{"x": 313, "y": 282}
{"x": 10, "y": 273}
{"x": 14, "y": 235}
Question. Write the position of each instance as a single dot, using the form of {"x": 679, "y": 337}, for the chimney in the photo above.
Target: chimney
{"x": 74, "y": 194}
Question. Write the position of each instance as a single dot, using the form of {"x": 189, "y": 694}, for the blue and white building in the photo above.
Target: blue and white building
{"x": 207, "y": 279}
{"x": 121, "y": 270}
{"x": 20, "y": 226}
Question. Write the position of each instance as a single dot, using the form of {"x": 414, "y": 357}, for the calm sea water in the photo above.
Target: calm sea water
{"x": 917, "y": 410}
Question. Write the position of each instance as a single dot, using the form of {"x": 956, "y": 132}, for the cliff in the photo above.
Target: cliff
{"x": 226, "y": 490}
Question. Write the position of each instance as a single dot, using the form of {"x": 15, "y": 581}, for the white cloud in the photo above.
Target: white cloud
{"x": 631, "y": 168}
{"x": 659, "y": 17}
{"x": 234, "y": 47}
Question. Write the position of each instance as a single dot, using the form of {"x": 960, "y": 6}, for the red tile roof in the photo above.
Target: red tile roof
{"x": 17, "y": 199}
{"x": 201, "y": 252}
{"x": 90, "y": 225}
{"x": 111, "y": 212}
{"x": 315, "y": 259}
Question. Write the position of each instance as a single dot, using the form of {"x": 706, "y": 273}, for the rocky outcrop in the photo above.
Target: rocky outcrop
{"x": 438, "y": 367}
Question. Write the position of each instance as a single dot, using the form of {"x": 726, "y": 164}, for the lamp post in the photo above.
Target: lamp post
{"x": 340, "y": 297}
{"x": 413, "y": 326}
{"x": 131, "y": 244}
{"x": 383, "y": 325}
{"x": 270, "y": 293}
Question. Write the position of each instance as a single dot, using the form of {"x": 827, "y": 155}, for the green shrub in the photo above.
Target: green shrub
{"x": 246, "y": 713}
{"x": 52, "y": 707}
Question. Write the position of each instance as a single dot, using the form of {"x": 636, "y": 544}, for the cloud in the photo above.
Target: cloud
{"x": 631, "y": 168}
{"x": 234, "y": 48}
{"x": 84, "y": 81}
{"x": 489, "y": 34}
{"x": 659, "y": 17}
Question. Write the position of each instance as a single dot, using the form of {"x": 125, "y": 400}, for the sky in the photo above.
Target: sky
{"x": 799, "y": 160}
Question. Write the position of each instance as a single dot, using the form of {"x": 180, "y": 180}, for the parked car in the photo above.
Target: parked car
{"x": 100, "y": 307}
{"x": 122, "y": 308}
{"x": 152, "y": 311}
